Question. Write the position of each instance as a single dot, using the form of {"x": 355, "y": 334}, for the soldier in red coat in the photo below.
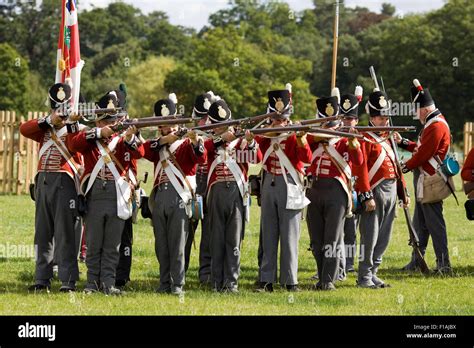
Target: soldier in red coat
{"x": 331, "y": 192}
{"x": 377, "y": 189}
{"x": 174, "y": 186}
{"x": 283, "y": 162}
{"x": 55, "y": 194}
{"x": 433, "y": 145}
{"x": 108, "y": 191}
{"x": 228, "y": 196}
{"x": 467, "y": 172}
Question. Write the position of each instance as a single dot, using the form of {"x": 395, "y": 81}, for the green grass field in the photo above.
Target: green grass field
{"x": 410, "y": 294}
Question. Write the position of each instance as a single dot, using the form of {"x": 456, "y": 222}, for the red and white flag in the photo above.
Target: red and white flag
{"x": 69, "y": 63}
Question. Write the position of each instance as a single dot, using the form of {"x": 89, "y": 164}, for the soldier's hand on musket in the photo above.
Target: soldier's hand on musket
{"x": 249, "y": 136}
{"x": 168, "y": 139}
{"x": 397, "y": 137}
{"x": 370, "y": 205}
{"x": 192, "y": 135}
{"x": 131, "y": 131}
{"x": 106, "y": 132}
{"x": 228, "y": 136}
{"x": 406, "y": 203}
{"x": 74, "y": 118}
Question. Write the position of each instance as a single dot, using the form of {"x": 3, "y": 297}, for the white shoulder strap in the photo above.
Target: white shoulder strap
{"x": 50, "y": 142}
{"x": 104, "y": 158}
{"x": 320, "y": 149}
{"x": 340, "y": 160}
{"x": 164, "y": 156}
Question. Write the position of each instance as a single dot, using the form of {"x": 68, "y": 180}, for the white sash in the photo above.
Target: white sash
{"x": 296, "y": 197}
{"x": 172, "y": 149}
{"x": 122, "y": 186}
{"x": 347, "y": 172}
{"x": 385, "y": 151}
{"x": 176, "y": 177}
{"x": 223, "y": 156}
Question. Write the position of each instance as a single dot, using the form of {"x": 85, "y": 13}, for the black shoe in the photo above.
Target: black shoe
{"x": 120, "y": 283}
{"x": 293, "y": 288}
{"x": 39, "y": 288}
{"x": 91, "y": 288}
{"x": 71, "y": 287}
{"x": 264, "y": 287}
{"x": 112, "y": 291}
{"x": 350, "y": 269}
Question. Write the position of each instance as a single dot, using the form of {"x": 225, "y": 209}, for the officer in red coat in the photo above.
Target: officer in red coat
{"x": 433, "y": 144}
{"x": 55, "y": 194}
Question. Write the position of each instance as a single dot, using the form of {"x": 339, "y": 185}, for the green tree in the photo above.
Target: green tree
{"x": 14, "y": 75}
{"x": 145, "y": 84}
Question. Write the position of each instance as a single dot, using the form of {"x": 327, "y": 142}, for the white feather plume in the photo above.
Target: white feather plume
{"x": 417, "y": 83}
{"x": 335, "y": 93}
{"x": 288, "y": 87}
{"x": 173, "y": 98}
{"x": 359, "y": 92}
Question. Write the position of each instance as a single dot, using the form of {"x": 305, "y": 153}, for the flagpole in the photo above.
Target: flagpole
{"x": 334, "y": 46}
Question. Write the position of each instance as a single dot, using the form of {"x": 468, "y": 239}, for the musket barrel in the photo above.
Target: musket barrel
{"x": 319, "y": 120}
{"x": 382, "y": 129}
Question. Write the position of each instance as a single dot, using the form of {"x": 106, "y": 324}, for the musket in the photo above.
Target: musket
{"x": 319, "y": 120}
{"x": 149, "y": 123}
{"x": 334, "y": 46}
{"x": 242, "y": 122}
{"x": 414, "y": 241}
{"x": 381, "y": 129}
{"x": 308, "y": 129}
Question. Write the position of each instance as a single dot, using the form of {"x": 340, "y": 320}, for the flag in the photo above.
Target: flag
{"x": 68, "y": 62}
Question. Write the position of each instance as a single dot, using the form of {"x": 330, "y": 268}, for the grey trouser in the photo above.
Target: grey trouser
{"x": 171, "y": 227}
{"x": 204, "y": 246}
{"x": 56, "y": 218}
{"x": 278, "y": 223}
{"x": 350, "y": 239}
{"x": 103, "y": 233}
{"x": 375, "y": 230}
{"x": 428, "y": 220}
{"x": 125, "y": 261}
{"x": 227, "y": 223}
{"x": 325, "y": 219}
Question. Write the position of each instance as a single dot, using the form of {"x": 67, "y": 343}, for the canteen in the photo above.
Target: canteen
{"x": 450, "y": 166}
{"x": 356, "y": 206}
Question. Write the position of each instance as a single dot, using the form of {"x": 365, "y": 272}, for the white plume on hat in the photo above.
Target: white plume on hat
{"x": 335, "y": 93}
{"x": 214, "y": 97}
{"x": 359, "y": 92}
{"x": 173, "y": 98}
{"x": 288, "y": 87}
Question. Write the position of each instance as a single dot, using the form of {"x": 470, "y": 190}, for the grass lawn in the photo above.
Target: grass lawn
{"x": 410, "y": 294}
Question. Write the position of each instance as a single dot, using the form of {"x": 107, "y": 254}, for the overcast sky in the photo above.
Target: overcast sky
{"x": 195, "y": 13}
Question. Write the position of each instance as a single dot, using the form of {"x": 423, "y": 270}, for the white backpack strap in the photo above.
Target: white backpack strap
{"x": 340, "y": 160}
{"x": 98, "y": 166}
{"x": 132, "y": 177}
{"x": 270, "y": 150}
{"x": 50, "y": 142}
{"x": 108, "y": 161}
{"x": 220, "y": 158}
{"x": 181, "y": 188}
{"x": 286, "y": 165}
